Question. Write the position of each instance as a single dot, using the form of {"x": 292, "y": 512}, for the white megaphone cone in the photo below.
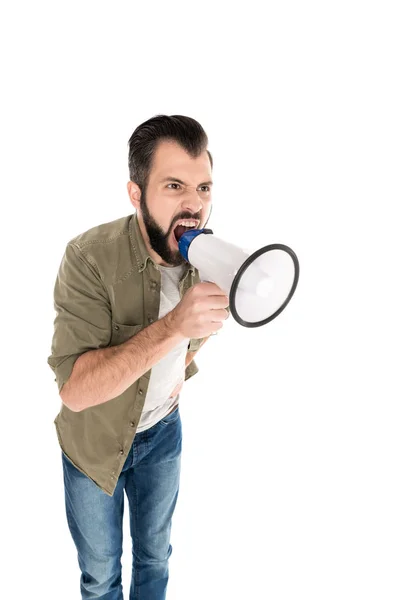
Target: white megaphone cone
{"x": 259, "y": 285}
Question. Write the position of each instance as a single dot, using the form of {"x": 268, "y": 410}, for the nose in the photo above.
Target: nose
{"x": 192, "y": 201}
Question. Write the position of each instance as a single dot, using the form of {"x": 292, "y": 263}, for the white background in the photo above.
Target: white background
{"x": 290, "y": 470}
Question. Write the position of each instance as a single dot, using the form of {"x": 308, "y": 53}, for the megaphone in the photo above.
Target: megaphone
{"x": 259, "y": 285}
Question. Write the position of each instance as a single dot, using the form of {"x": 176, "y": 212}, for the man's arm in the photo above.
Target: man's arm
{"x": 88, "y": 370}
{"x": 103, "y": 374}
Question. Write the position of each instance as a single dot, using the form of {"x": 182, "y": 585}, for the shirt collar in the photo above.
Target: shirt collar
{"x": 141, "y": 253}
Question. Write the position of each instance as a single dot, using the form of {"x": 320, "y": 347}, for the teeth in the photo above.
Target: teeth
{"x": 187, "y": 223}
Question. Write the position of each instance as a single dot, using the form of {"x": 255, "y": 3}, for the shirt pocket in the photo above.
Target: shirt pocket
{"x": 121, "y": 333}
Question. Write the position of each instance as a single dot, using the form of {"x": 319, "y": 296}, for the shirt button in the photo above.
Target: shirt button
{"x": 121, "y": 451}
{"x": 132, "y": 424}
{"x": 151, "y": 319}
{"x": 116, "y": 327}
{"x": 140, "y": 392}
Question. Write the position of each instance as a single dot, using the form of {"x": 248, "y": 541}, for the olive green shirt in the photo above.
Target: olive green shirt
{"x": 107, "y": 289}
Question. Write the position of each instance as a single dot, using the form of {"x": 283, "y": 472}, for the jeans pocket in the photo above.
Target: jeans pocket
{"x": 171, "y": 418}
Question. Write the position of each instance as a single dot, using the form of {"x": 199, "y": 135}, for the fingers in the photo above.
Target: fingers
{"x": 219, "y": 314}
{"x": 177, "y": 389}
{"x": 218, "y": 302}
{"x": 212, "y": 289}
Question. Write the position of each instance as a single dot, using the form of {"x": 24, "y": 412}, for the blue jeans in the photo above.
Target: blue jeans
{"x": 150, "y": 478}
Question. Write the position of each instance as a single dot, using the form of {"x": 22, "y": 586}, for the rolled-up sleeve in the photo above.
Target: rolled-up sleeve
{"x": 83, "y": 313}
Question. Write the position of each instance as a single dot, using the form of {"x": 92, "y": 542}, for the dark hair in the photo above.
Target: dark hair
{"x": 144, "y": 140}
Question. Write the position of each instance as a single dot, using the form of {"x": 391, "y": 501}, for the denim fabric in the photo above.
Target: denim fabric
{"x": 150, "y": 478}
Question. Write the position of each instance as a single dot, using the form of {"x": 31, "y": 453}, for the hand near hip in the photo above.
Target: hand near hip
{"x": 177, "y": 389}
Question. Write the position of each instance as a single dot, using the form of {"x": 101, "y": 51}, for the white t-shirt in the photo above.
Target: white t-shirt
{"x": 170, "y": 370}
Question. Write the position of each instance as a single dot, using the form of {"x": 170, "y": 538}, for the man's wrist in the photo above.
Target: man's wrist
{"x": 170, "y": 326}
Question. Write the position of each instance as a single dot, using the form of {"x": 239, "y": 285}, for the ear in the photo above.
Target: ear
{"x": 134, "y": 193}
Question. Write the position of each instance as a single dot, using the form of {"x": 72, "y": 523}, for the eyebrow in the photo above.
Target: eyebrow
{"x": 175, "y": 179}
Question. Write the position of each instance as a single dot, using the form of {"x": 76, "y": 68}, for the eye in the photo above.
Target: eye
{"x": 206, "y": 186}
{"x": 173, "y": 184}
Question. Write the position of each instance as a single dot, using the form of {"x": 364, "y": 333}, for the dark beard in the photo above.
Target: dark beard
{"x": 158, "y": 239}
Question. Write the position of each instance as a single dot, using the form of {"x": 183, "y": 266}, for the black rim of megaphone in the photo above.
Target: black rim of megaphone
{"x": 243, "y": 268}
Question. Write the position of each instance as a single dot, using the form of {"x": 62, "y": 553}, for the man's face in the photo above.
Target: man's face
{"x": 179, "y": 187}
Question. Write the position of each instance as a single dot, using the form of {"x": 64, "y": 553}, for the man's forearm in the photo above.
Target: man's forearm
{"x": 103, "y": 374}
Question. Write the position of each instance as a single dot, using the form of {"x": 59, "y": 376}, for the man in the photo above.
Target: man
{"x": 130, "y": 315}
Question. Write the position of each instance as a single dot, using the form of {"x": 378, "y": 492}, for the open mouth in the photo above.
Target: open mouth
{"x": 184, "y": 226}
